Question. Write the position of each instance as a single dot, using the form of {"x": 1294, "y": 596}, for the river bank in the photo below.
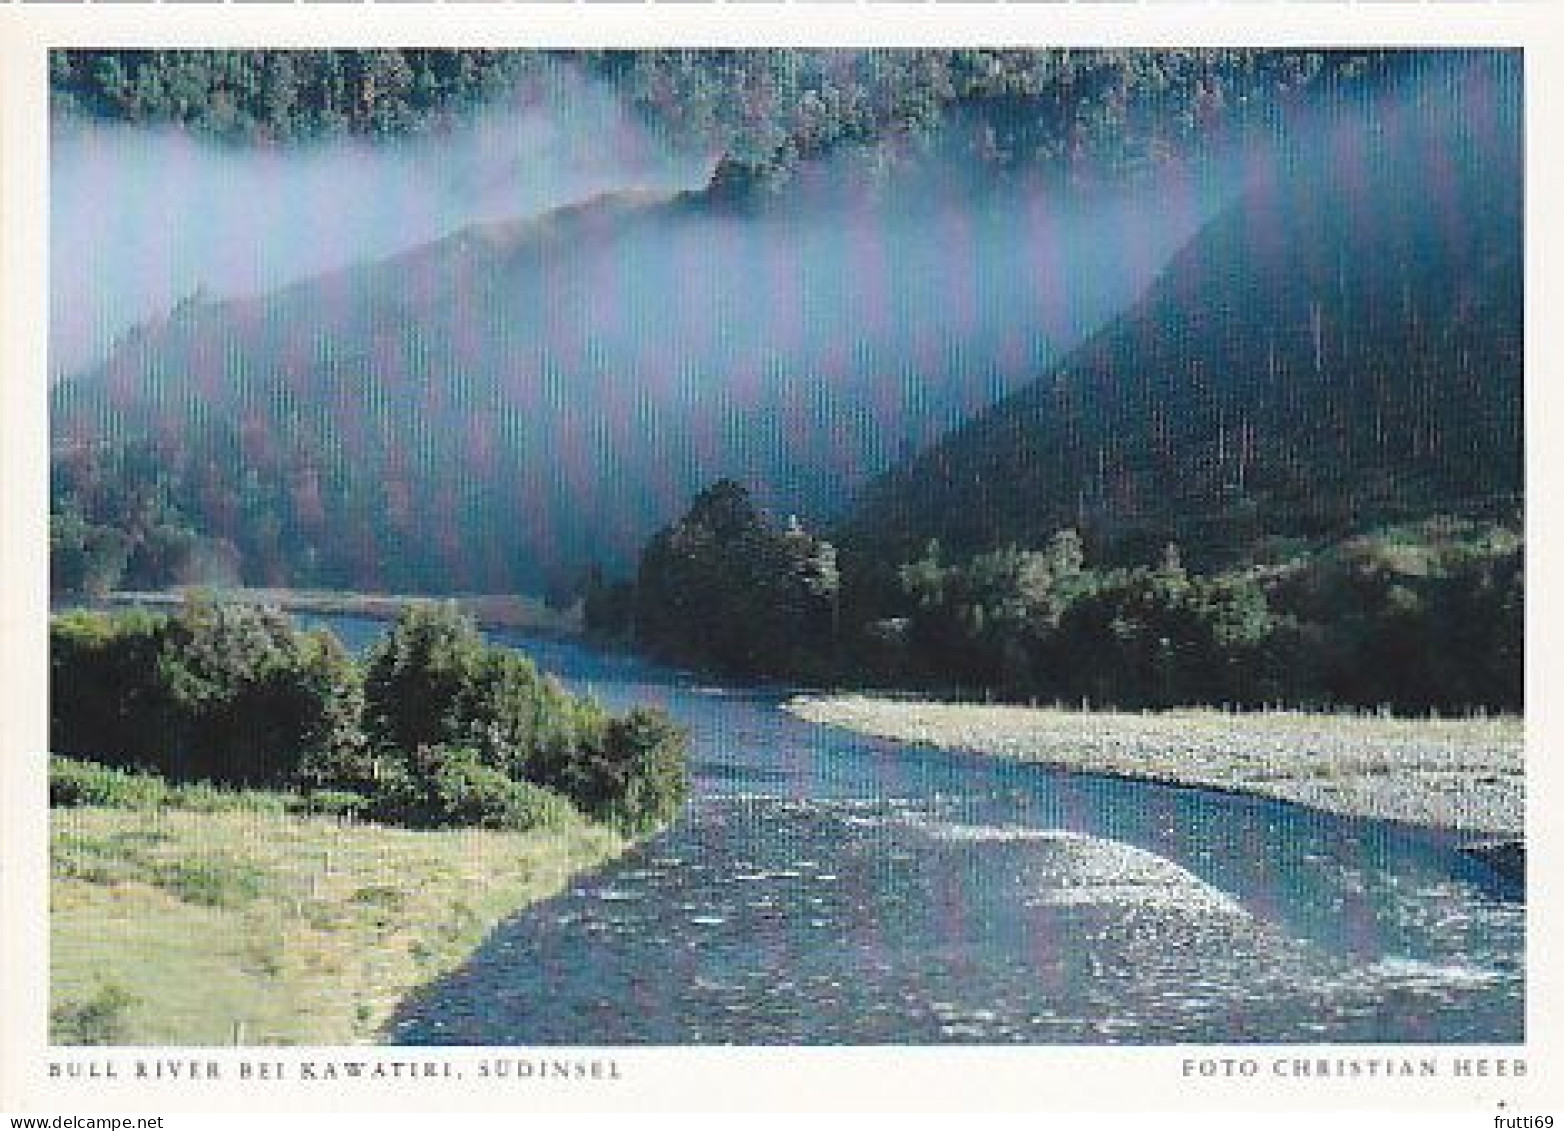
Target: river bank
{"x": 492, "y": 610}
{"x": 1464, "y": 775}
{"x": 259, "y": 927}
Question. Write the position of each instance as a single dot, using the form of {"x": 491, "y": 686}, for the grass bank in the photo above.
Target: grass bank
{"x": 188, "y": 927}
{"x": 1463, "y": 774}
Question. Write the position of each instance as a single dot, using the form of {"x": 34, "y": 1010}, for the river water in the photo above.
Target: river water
{"x": 823, "y": 888}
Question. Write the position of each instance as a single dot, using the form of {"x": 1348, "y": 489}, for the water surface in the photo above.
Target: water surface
{"x": 823, "y": 887}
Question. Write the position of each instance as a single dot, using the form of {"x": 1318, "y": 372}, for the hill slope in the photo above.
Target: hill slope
{"x": 1341, "y": 347}
{"x": 500, "y": 408}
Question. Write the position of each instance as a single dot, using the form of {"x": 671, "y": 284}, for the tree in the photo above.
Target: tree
{"x": 721, "y": 587}
{"x": 84, "y": 558}
{"x": 418, "y": 677}
{"x": 243, "y": 696}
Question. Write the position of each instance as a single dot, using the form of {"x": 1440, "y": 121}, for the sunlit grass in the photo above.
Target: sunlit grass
{"x": 199, "y": 928}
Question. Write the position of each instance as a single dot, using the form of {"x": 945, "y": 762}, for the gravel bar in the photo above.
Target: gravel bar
{"x": 1466, "y": 775}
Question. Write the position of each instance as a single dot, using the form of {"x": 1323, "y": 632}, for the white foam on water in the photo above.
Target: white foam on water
{"x": 616, "y": 895}
{"x": 1417, "y": 971}
{"x": 1208, "y": 901}
{"x": 952, "y": 832}
{"x": 1095, "y": 870}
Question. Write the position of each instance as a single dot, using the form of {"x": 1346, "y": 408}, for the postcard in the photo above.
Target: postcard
{"x": 779, "y": 559}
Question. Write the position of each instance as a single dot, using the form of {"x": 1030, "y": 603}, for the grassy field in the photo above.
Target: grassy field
{"x": 178, "y": 927}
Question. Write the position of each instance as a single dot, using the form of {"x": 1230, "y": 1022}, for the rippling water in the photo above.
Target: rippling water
{"x": 826, "y": 888}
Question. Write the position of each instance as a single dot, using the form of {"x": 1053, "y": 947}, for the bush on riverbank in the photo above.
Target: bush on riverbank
{"x": 217, "y": 692}
{"x": 442, "y": 787}
{"x": 435, "y": 727}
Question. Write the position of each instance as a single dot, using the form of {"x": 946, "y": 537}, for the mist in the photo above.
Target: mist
{"x": 142, "y": 218}
{"x": 546, "y": 388}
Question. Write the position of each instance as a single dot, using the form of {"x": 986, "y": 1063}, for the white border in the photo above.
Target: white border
{"x": 1067, "y": 1078}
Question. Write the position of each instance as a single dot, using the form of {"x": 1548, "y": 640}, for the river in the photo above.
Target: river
{"x": 825, "y": 888}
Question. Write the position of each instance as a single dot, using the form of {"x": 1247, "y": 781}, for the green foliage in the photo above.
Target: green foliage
{"x": 1429, "y": 618}
{"x": 78, "y": 782}
{"x": 987, "y": 622}
{"x": 280, "y": 96}
{"x": 632, "y": 770}
{"x": 245, "y": 697}
{"x": 452, "y": 717}
{"x": 85, "y": 557}
{"x": 120, "y": 515}
{"x": 210, "y": 881}
{"x": 440, "y": 729}
{"x": 420, "y": 676}
{"x": 208, "y": 508}
{"x": 1418, "y": 620}
{"x": 102, "y": 1019}
{"x": 1415, "y": 618}
{"x": 1100, "y": 112}
{"x": 1159, "y": 637}
{"x": 433, "y": 681}
{"x": 647, "y": 771}
{"x": 440, "y": 786}
{"x": 104, "y": 701}
{"x": 215, "y": 691}
{"x": 73, "y": 782}
{"x": 722, "y": 587}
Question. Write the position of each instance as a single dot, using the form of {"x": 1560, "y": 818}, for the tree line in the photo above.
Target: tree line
{"x": 218, "y": 506}
{"x": 1424, "y": 617}
{"x": 432, "y": 727}
{"x": 1098, "y": 111}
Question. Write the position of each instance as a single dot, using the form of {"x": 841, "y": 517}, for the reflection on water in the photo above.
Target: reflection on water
{"x": 824, "y": 888}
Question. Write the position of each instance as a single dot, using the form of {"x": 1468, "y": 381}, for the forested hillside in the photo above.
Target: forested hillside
{"x": 1292, "y": 472}
{"x": 498, "y": 410}
{"x": 1172, "y": 376}
{"x": 1107, "y": 111}
{"x": 1340, "y": 348}
{"x": 1415, "y": 617}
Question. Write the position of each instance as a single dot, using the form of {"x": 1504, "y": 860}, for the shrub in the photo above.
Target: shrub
{"x": 74, "y": 782}
{"x": 442, "y": 730}
{"x": 222, "y": 692}
{"x": 442, "y": 786}
{"x": 654, "y": 782}
{"x": 247, "y": 698}
{"x": 433, "y": 681}
{"x": 336, "y": 803}
{"x": 208, "y": 797}
{"x": 418, "y": 675}
{"x": 632, "y": 770}
{"x": 103, "y": 690}
{"x": 210, "y": 881}
{"x": 500, "y": 744}
{"x": 100, "y": 1020}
